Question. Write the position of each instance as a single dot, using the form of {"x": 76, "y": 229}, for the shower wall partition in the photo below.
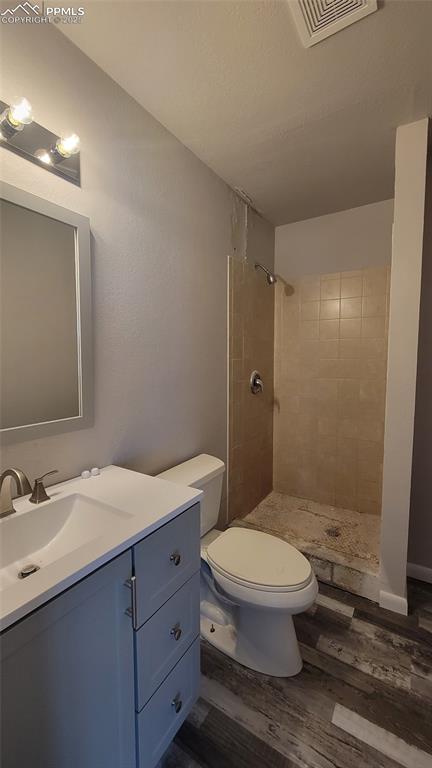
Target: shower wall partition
{"x": 251, "y": 347}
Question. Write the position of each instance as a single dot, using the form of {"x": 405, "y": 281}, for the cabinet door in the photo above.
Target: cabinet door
{"x": 67, "y": 679}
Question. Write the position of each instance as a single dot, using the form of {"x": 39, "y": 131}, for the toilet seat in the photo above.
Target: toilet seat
{"x": 258, "y": 561}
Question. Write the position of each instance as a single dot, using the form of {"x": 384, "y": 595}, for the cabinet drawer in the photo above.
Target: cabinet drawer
{"x": 164, "y": 638}
{"x": 161, "y": 718}
{"x": 165, "y": 560}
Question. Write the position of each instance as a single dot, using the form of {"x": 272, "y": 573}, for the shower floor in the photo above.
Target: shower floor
{"x": 342, "y": 545}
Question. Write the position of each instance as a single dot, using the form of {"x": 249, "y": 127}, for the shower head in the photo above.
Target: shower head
{"x": 271, "y": 278}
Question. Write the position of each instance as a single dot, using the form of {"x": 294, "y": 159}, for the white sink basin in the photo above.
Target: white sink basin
{"x": 86, "y": 523}
{"x": 44, "y": 534}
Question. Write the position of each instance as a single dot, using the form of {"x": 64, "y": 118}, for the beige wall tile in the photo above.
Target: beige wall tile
{"x": 328, "y": 348}
{"x": 371, "y": 429}
{"x": 346, "y": 486}
{"x": 348, "y": 389}
{"x": 374, "y": 369}
{"x": 374, "y": 306}
{"x": 349, "y": 369}
{"x": 351, "y": 307}
{"x": 309, "y": 349}
{"x": 368, "y": 490}
{"x": 310, "y": 368}
{"x": 372, "y": 391}
{"x": 310, "y": 310}
{"x": 369, "y": 507}
{"x": 326, "y": 390}
{"x": 374, "y": 348}
{"x": 370, "y": 451}
{"x": 350, "y": 328}
{"x": 351, "y": 287}
{"x": 330, "y": 309}
{"x": 347, "y": 428}
{"x": 330, "y": 288}
{"x": 328, "y": 428}
{"x": 350, "y": 349}
{"x": 329, "y": 329}
{"x": 373, "y": 327}
{"x": 309, "y": 329}
{"x": 375, "y": 281}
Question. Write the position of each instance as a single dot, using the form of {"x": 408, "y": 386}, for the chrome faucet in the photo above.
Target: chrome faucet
{"x": 22, "y": 484}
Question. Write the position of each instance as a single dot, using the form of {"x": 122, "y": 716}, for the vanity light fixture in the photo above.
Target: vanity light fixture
{"x": 57, "y": 154}
{"x": 15, "y": 117}
{"x": 65, "y": 148}
{"x": 44, "y": 156}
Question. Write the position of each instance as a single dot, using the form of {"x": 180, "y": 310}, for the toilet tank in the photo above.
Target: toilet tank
{"x": 205, "y": 473}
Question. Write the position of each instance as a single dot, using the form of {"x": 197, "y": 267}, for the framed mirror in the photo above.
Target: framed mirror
{"x": 46, "y": 379}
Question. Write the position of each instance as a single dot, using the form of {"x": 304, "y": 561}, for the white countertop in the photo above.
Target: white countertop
{"x": 148, "y": 503}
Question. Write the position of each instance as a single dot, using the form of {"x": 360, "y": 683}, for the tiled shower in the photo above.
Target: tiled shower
{"x": 329, "y": 395}
{"x": 306, "y": 455}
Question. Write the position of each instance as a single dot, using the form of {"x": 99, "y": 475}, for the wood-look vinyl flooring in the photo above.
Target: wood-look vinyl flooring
{"x": 362, "y": 700}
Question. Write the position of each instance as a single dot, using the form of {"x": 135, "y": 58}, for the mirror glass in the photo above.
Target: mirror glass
{"x": 39, "y": 319}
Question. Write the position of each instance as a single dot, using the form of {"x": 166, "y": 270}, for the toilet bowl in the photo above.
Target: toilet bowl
{"x": 252, "y": 583}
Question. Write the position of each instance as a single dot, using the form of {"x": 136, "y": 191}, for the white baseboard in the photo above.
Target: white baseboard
{"x": 395, "y": 603}
{"x": 421, "y": 572}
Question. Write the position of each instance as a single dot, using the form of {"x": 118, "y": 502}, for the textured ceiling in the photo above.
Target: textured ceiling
{"x": 304, "y": 131}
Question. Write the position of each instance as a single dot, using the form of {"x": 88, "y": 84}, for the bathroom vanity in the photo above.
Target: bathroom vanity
{"x": 100, "y": 646}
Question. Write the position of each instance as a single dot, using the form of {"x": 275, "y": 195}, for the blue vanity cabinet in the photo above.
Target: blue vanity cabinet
{"x": 103, "y": 675}
{"x": 67, "y": 678}
{"x": 167, "y": 618}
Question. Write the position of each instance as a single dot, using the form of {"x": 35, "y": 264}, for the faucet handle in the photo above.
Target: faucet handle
{"x": 39, "y": 493}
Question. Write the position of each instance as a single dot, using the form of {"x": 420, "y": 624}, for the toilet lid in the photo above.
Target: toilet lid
{"x": 259, "y": 558}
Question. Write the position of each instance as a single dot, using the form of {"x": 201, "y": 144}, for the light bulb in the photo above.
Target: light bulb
{"x": 68, "y": 146}
{"x": 20, "y": 113}
{"x": 44, "y": 156}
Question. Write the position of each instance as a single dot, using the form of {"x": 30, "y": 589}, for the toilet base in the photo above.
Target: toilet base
{"x": 263, "y": 641}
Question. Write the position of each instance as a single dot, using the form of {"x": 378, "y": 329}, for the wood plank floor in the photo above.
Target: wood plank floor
{"x": 362, "y": 700}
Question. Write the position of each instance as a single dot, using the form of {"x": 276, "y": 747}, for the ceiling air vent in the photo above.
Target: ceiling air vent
{"x": 318, "y": 19}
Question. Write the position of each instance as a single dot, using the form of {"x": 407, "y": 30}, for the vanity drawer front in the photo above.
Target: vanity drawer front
{"x": 164, "y": 638}
{"x": 165, "y": 560}
{"x": 159, "y": 721}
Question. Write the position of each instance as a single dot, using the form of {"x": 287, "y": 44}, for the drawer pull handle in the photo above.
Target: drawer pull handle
{"x": 175, "y": 558}
{"x": 176, "y": 632}
{"x": 177, "y": 703}
{"x": 132, "y": 610}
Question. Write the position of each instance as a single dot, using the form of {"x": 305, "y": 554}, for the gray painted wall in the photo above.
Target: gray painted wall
{"x": 342, "y": 241}
{"x": 420, "y": 531}
{"x": 161, "y": 233}
{"x": 260, "y": 244}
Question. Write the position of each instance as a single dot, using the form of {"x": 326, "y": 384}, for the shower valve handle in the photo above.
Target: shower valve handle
{"x": 256, "y": 383}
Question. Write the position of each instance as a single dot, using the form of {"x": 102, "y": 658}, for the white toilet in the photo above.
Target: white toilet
{"x": 251, "y": 583}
